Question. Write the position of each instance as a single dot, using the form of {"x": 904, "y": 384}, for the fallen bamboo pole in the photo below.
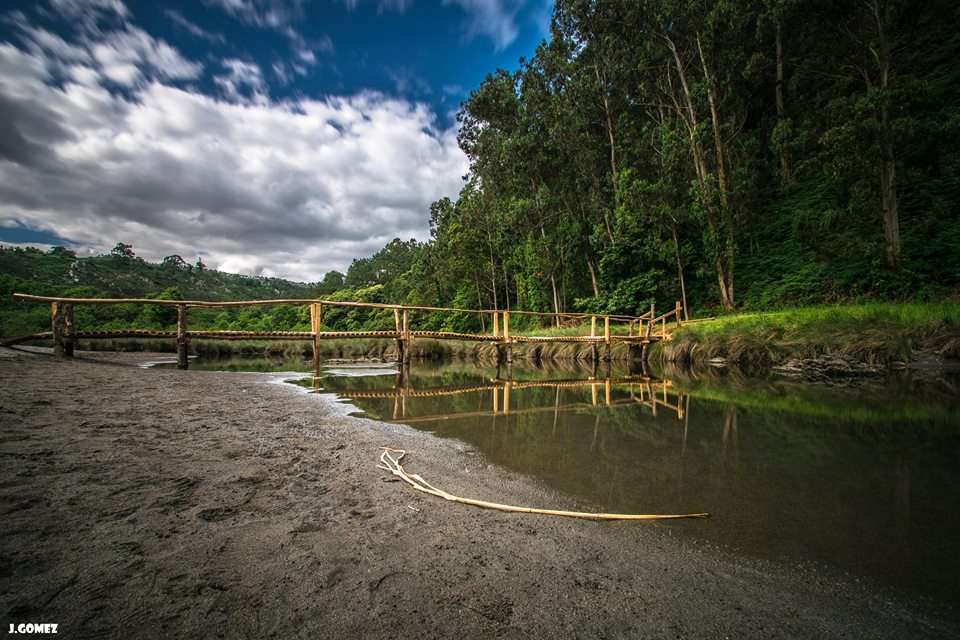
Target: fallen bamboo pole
{"x": 392, "y": 464}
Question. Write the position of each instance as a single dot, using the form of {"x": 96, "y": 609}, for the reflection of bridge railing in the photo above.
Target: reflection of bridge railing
{"x": 640, "y": 330}
{"x": 644, "y": 391}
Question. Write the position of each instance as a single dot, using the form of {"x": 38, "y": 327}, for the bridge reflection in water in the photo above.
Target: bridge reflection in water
{"x": 605, "y": 392}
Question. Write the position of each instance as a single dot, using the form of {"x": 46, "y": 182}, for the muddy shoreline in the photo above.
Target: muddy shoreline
{"x": 160, "y": 503}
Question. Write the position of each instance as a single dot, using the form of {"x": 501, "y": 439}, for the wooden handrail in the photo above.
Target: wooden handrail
{"x": 296, "y": 301}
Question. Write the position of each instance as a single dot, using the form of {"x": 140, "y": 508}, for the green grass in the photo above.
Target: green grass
{"x": 876, "y": 333}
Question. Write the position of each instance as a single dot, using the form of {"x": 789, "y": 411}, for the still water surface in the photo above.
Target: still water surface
{"x": 864, "y": 481}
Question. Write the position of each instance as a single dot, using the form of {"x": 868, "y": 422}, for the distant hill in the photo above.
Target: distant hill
{"x": 120, "y": 274}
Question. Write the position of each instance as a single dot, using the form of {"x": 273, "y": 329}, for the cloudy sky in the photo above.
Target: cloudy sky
{"x": 270, "y": 137}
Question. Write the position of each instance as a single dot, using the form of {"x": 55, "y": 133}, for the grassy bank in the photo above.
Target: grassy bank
{"x": 880, "y": 333}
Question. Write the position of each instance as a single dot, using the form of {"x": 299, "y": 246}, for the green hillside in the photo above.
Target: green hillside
{"x": 120, "y": 274}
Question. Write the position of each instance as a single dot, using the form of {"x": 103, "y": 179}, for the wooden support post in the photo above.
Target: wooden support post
{"x": 496, "y": 324}
{"x": 606, "y": 338}
{"x": 506, "y": 398}
{"x": 182, "y": 336}
{"x": 56, "y": 317}
{"x": 679, "y": 323}
{"x": 315, "y": 310}
{"x": 406, "y": 337}
{"x": 506, "y": 336}
{"x": 69, "y": 330}
{"x": 399, "y": 328}
{"x": 653, "y": 314}
{"x": 594, "y": 351}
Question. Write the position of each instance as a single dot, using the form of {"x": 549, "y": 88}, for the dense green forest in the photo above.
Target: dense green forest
{"x": 735, "y": 155}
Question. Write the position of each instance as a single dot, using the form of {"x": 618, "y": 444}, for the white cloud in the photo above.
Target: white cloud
{"x": 242, "y": 75}
{"x": 399, "y": 6}
{"x": 79, "y": 8}
{"x": 125, "y": 56}
{"x": 495, "y": 19}
{"x": 289, "y": 188}
{"x": 275, "y": 14}
{"x": 194, "y": 29}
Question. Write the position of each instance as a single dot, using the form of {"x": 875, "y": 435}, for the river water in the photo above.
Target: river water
{"x": 864, "y": 481}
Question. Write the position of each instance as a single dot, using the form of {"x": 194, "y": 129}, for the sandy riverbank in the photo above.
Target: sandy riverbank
{"x": 159, "y": 503}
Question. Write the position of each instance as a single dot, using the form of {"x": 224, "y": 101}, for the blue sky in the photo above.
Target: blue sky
{"x": 273, "y": 137}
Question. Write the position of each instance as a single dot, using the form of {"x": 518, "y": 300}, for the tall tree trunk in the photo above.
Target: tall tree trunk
{"x": 614, "y": 174}
{"x": 702, "y": 172}
{"x": 683, "y": 287}
{"x": 506, "y": 287}
{"x": 593, "y": 277}
{"x": 888, "y": 168}
{"x": 553, "y": 284}
{"x": 493, "y": 270}
{"x": 728, "y": 249}
{"x": 483, "y": 325}
{"x": 717, "y": 137}
{"x": 786, "y": 174}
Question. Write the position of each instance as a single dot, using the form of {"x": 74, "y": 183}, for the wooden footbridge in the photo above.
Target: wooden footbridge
{"x": 637, "y": 332}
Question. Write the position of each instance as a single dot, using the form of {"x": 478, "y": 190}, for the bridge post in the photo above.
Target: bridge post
{"x": 653, "y": 314}
{"x": 315, "y": 310}
{"x": 606, "y": 338}
{"x": 399, "y": 328}
{"x": 69, "y": 340}
{"x": 506, "y": 337}
{"x": 182, "y": 360}
{"x": 594, "y": 351}
{"x": 56, "y": 317}
{"x": 406, "y": 337}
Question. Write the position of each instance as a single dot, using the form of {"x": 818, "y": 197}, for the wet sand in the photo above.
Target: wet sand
{"x": 158, "y": 503}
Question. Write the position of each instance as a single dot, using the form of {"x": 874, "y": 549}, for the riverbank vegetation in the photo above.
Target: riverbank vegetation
{"x": 880, "y": 333}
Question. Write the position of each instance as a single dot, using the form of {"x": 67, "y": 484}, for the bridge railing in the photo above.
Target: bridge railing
{"x": 65, "y": 333}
